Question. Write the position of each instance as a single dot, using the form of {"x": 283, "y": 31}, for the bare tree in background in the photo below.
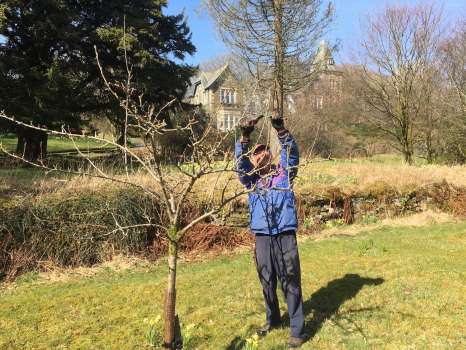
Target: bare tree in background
{"x": 453, "y": 65}
{"x": 432, "y": 113}
{"x": 276, "y": 38}
{"x": 453, "y": 54}
{"x": 398, "y": 52}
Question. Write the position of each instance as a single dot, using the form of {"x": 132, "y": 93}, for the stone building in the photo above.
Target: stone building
{"x": 220, "y": 94}
{"x": 326, "y": 90}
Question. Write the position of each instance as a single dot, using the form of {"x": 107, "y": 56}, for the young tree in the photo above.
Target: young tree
{"x": 398, "y": 52}
{"x": 276, "y": 38}
{"x": 170, "y": 190}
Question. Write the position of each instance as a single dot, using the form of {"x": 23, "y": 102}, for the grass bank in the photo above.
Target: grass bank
{"x": 363, "y": 174}
{"x": 357, "y": 175}
{"x": 389, "y": 287}
{"x": 70, "y": 220}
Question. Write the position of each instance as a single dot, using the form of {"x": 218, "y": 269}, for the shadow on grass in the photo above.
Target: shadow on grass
{"x": 326, "y": 301}
{"x": 236, "y": 344}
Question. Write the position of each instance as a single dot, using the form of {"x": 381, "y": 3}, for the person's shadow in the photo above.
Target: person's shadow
{"x": 326, "y": 301}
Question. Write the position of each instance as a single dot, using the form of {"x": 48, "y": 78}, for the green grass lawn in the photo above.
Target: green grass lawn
{"x": 390, "y": 288}
{"x": 55, "y": 143}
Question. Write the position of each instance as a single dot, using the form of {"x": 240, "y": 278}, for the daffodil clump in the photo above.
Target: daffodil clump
{"x": 252, "y": 343}
{"x": 188, "y": 336}
{"x": 153, "y": 335}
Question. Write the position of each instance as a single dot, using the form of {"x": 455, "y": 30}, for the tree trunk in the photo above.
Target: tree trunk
{"x": 408, "y": 156}
{"x": 278, "y": 90}
{"x": 429, "y": 148}
{"x": 170, "y": 298}
{"x": 32, "y": 144}
{"x": 406, "y": 140}
{"x": 121, "y": 137}
{"x": 279, "y": 56}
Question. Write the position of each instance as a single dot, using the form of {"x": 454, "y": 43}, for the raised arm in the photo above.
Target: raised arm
{"x": 289, "y": 155}
{"x": 244, "y": 166}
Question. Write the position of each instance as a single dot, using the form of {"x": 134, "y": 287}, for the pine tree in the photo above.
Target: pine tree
{"x": 48, "y": 69}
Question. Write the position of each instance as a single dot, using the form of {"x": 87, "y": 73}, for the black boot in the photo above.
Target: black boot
{"x": 294, "y": 342}
{"x": 262, "y": 332}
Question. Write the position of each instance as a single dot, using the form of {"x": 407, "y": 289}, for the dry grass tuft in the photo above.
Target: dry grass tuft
{"x": 51, "y": 273}
{"x": 361, "y": 175}
{"x": 349, "y": 176}
{"x": 425, "y": 218}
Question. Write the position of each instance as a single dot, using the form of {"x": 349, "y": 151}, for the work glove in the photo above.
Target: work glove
{"x": 246, "y": 127}
{"x": 279, "y": 125}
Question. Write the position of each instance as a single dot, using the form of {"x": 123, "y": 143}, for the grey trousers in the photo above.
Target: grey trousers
{"x": 277, "y": 258}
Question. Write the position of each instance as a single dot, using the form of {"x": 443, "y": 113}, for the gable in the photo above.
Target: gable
{"x": 226, "y": 79}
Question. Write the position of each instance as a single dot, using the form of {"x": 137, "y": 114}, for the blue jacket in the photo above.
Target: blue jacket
{"x": 272, "y": 205}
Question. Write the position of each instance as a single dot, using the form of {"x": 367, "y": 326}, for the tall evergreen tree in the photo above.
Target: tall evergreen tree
{"x": 37, "y": 80}
{"x": 48, "y": 68}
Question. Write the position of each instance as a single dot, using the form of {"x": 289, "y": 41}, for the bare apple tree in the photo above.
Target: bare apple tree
{"x": 173, "y": 186}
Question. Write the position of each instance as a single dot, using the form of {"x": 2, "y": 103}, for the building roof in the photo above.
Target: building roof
{"x": 193, "y": 83}
{"x": 212, "y": 76}
{"x": 204, "y": 79}
{"x": 324, "y": 59}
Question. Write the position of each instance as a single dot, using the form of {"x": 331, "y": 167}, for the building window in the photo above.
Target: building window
{"x": 227, "y": 96}
{"x": 335, "y": 84}
{"x": 222, "y": 95}
{"x": 229, "y": 122}
{"x": 319, "y": 102}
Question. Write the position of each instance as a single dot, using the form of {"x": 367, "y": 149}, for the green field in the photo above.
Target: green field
{"x": 54, "y": 143}
{"x": 387, "y": 288}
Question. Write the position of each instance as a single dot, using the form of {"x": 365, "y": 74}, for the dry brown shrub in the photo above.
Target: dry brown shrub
{"x": 301, "y": 205}
{"x": 446, "y": 197}
{"x": 214, "y": 239}
{"x": 205, "y": 238}
{"x": 458, "y": 204}
{"x": 21, "y": 259}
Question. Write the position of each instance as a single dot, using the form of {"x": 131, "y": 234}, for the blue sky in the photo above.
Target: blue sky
{"x": 346, "y": 28}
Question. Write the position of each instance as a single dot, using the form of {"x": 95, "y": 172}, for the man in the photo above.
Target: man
{"x": 273, "y": 220}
